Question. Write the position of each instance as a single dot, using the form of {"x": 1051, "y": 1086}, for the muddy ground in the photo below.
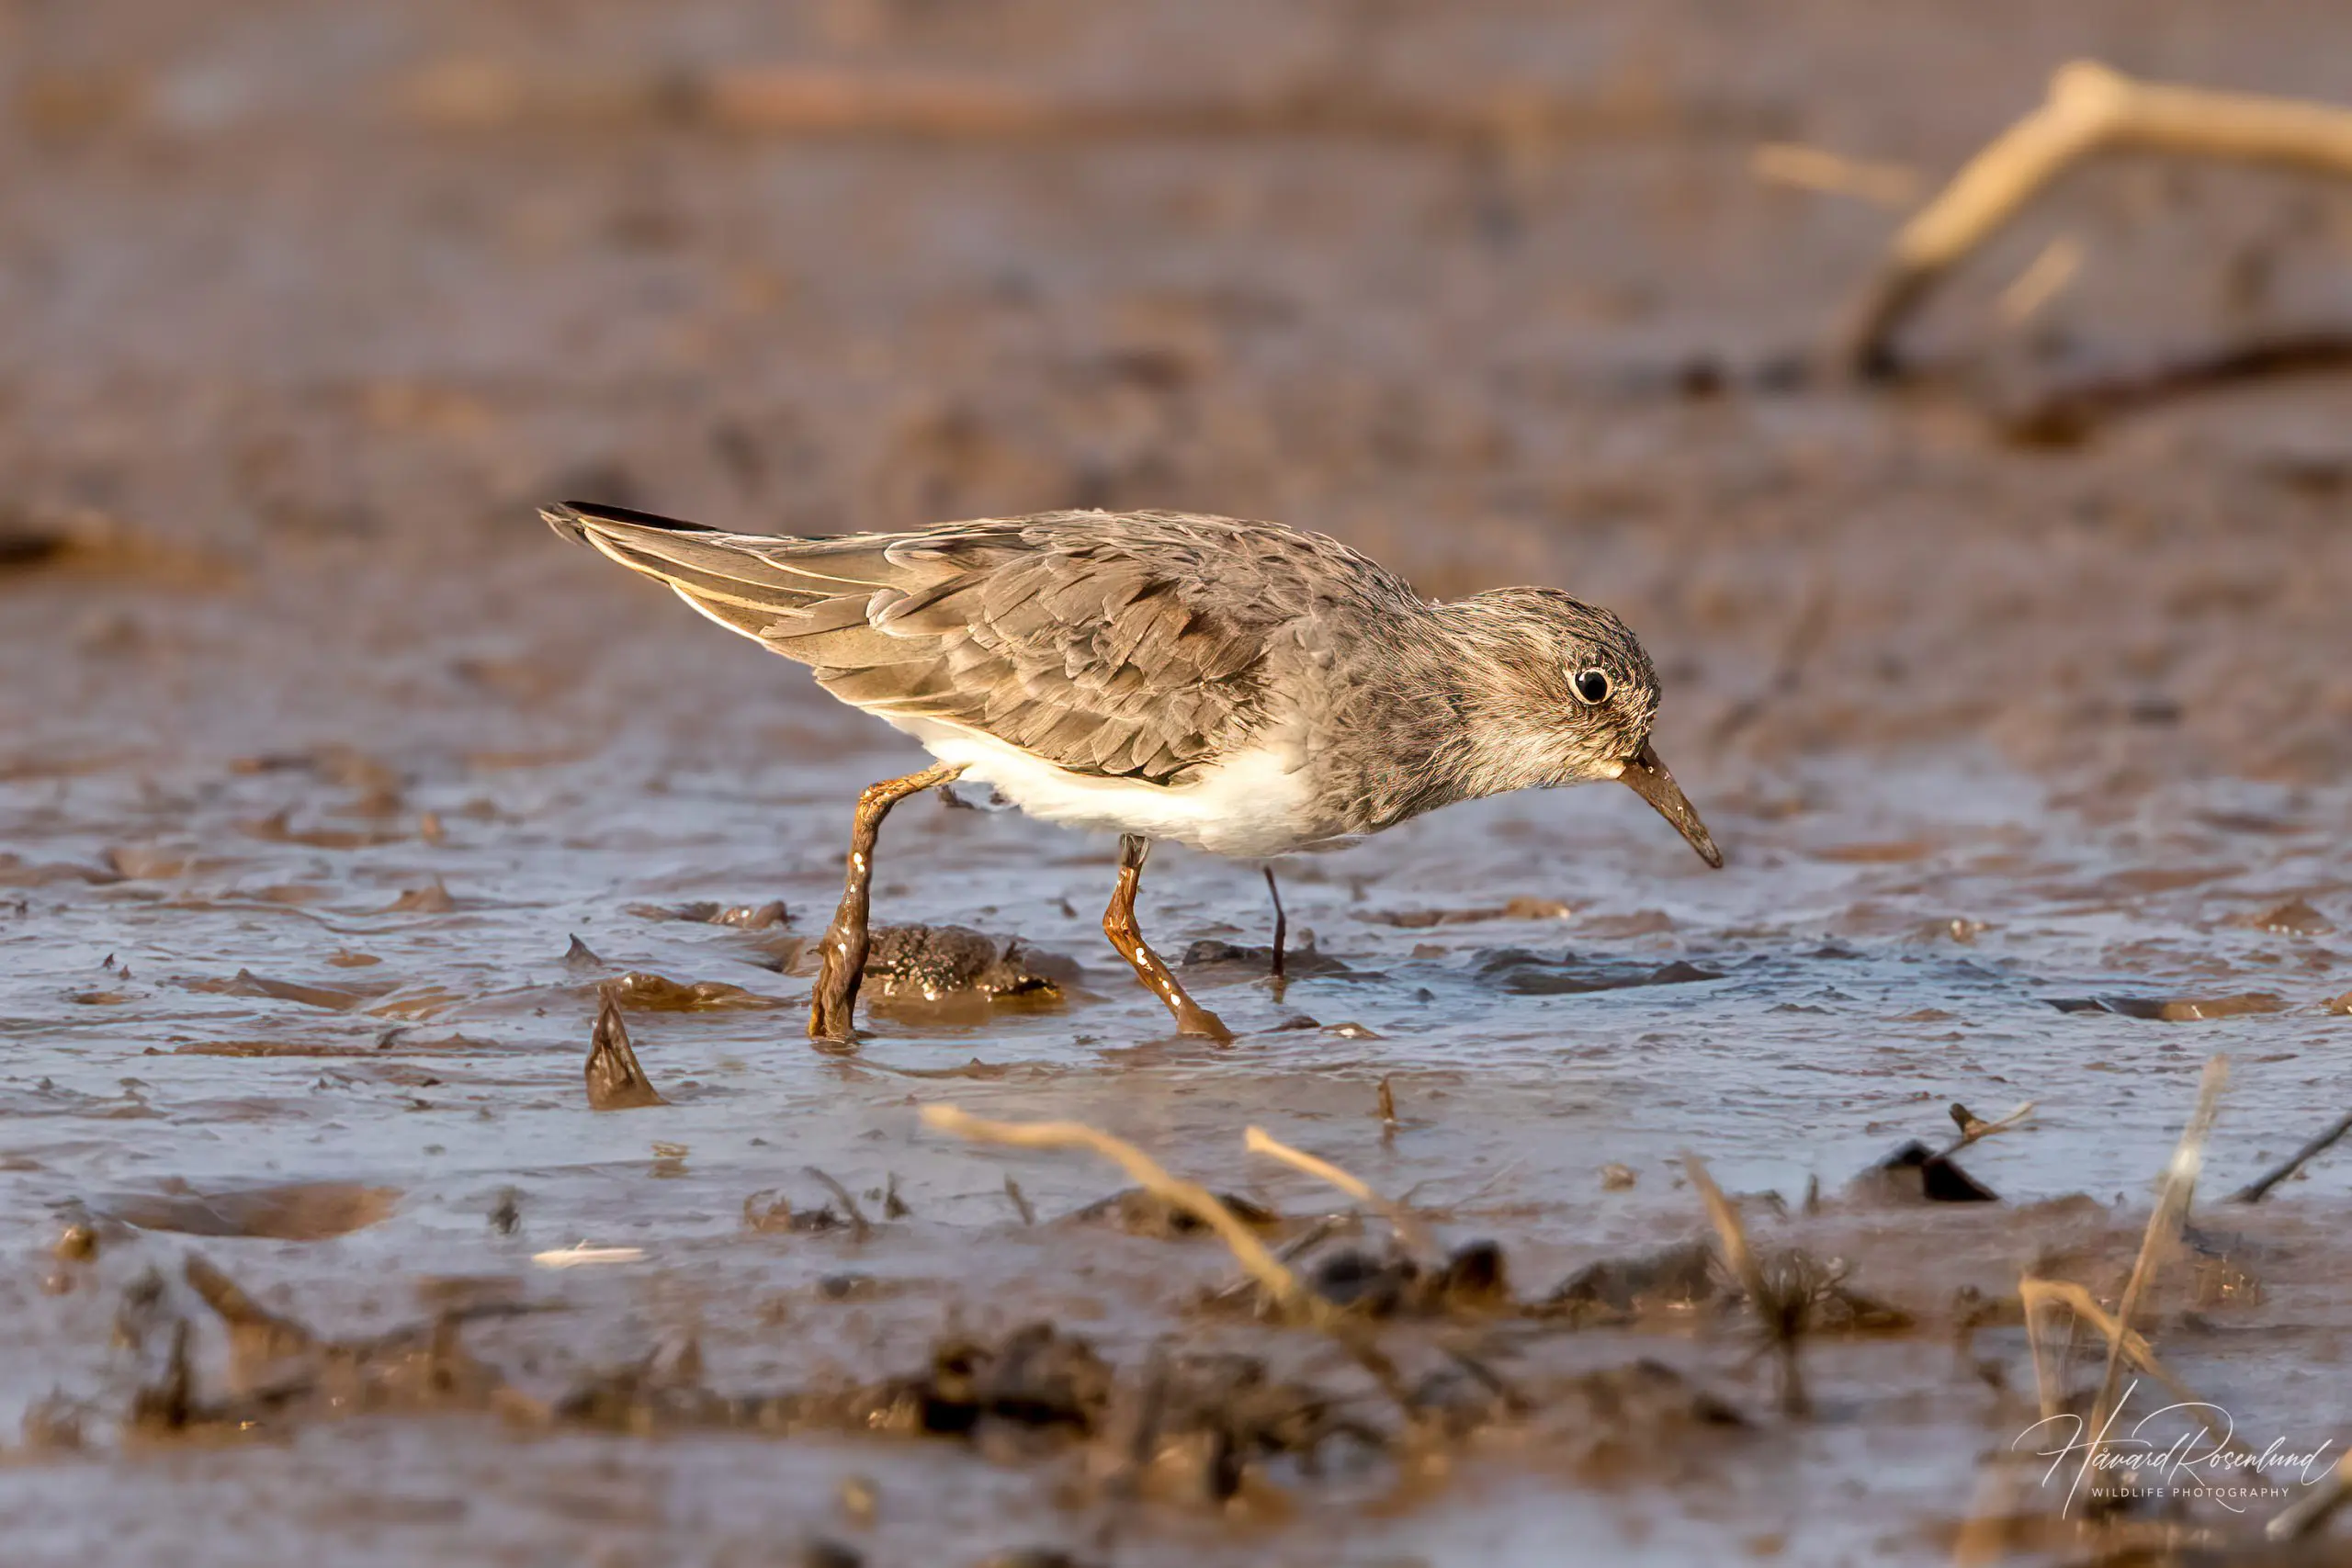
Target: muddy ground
{"x": 333, "y": 787}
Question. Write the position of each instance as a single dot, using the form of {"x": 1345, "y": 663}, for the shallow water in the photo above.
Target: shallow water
{"x": 1888, "y": 946}
{"x": 331, "y": 786}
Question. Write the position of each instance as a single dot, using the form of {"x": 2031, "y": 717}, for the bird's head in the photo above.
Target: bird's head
{"x": 1558, "y": 692}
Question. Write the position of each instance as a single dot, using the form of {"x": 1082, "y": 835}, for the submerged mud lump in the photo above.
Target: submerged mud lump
{"x": 641, "y": 991}
{"x": 1524, "y": 972}
{"x": 934, "y": 963}
{"x": 1214, "y": 956}
{"x": 1917, "y": 1174}
{"x": 1677, "y": 1278}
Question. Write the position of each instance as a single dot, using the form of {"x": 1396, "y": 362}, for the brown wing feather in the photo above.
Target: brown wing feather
{"x": 1131, "y": 644}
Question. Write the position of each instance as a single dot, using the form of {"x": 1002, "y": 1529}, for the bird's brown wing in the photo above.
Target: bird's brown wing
{"x": 1119, "y": 644}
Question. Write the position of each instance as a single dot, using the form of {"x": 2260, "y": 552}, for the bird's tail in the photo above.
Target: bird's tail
{"x": 757, "y": 584}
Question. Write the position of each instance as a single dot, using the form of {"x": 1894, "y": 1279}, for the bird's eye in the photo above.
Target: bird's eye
{"x": 1592, "y": 686}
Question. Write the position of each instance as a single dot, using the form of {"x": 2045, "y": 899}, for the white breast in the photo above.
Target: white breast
{"x": 1255, "y": 804}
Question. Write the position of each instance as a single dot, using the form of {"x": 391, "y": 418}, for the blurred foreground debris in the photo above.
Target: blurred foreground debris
{"x": 2121, "y": 1525}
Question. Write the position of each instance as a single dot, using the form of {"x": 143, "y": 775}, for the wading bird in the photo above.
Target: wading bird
{"x": 1243, "y": 688}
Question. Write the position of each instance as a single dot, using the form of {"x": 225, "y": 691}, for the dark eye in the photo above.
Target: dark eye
{"x": 1592, "y": 686}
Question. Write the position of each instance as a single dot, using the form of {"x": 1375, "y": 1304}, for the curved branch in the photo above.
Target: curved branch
{"x": 2091, "y": 108}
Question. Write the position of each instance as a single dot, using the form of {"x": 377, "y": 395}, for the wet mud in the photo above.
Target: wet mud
{"x": 363, "y": 851}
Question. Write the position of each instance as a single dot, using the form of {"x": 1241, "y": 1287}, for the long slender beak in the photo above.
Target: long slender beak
{"x": 1647, "y": 777}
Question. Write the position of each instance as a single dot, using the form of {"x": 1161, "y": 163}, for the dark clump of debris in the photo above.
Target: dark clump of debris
{"x": 1474, "y": 1278}
{"x": 1139, "y": 1211}
{"x": 615, "y": 1081}
{"x": 1677, "y": 1278}
{"x": 1194, "y": 1424}
{"x": 768, "y": 1211}
{"x": 917, "y": 965}
{"x": 1791, "y": 1293}
{"x": 1035, "y": 1382}
{"x": 1915, "y": 1173}
{"x": 1190, "y": 1425}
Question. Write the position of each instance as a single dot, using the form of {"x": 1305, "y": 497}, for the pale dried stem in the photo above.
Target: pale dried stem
{"x": 1977, "y": 1130}
{"x": 2164, "y": 1228}
{"x": 2039, "y": 1294}
{"x": 1740, "y": 1258}
{"x": 1729, "y": 1228}
{"x": 1409, "y": 1231}
{"x": 1146, "y": 1173}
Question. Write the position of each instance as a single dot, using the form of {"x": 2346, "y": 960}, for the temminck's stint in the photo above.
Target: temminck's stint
{"x": 1240, "y": 687}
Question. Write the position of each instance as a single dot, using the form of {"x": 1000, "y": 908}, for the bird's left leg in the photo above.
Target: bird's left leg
{"x": 1281, "y": 933}
{"x": 842, "y": 965}
{"x": 1119, "y": 925}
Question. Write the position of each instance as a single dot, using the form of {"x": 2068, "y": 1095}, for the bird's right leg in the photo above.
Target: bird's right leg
{"x": 1119, "y": 925}
{"x": 841, "y": 966}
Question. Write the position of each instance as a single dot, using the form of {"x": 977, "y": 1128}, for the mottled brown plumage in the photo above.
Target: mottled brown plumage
{"x": 1134, "y": 646}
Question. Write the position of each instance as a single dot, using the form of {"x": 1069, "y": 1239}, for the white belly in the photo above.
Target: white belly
{"x": 1255, "y": 805}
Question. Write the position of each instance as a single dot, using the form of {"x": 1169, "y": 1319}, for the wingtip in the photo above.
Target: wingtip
{"x": 575, "y": 516}
{"x": 566, "y": 520}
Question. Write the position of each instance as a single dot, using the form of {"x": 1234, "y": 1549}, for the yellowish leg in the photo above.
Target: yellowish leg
{"x": 842, "y": 962}
{"x": 1119, "y": 925}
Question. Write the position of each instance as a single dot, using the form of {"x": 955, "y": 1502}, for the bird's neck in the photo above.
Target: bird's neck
{"x": 1425, "y": 724}
{"x": 1475, "y": 658}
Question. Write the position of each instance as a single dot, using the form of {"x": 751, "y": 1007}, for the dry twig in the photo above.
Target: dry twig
{"x": 2256, "y": 1190}
{"x": 1408, "y": 1230}
{"x": 862, "y": 1226}
{"x": 1194, "y": 1199}
{"x": 1973, "y": 1128}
